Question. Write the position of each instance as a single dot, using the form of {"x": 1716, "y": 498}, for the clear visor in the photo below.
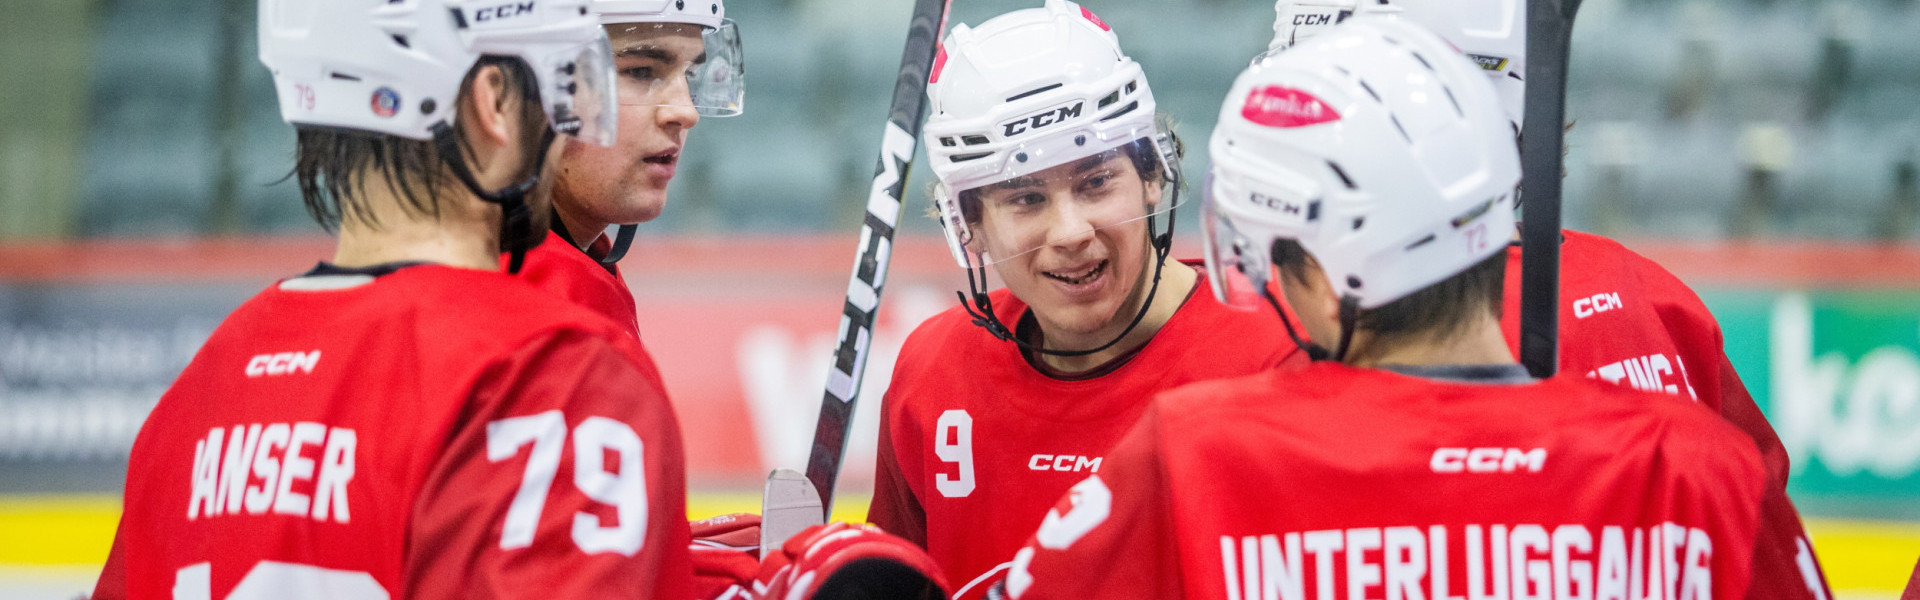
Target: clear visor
{"x": 583, "y": 104}
{"x": 1061, "y": 205}
{"x": 1238, "y": 268}
{"x": 681, "y": 64}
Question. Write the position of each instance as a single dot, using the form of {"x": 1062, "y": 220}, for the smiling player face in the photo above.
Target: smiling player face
{"x": 626, "y": 183}
{"x": 1076, "y": 244}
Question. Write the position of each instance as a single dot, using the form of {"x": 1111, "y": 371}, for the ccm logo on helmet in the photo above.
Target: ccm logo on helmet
{"x": 1276, "y": 106}
{"x": 504, "y": 11}
{"x": 1042, "y": 120}
{"x": 1311, "y": 19}
{"x": 284, "y": 363}
{"x": 1487, "y": 460}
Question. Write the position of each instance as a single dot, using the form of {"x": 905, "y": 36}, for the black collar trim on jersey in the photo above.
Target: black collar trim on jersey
{"x": 1488, "y": 374}
{"x": 1028, "y": 330}
{"x": 559, "y": 227}
{"x": 324, "y": 269}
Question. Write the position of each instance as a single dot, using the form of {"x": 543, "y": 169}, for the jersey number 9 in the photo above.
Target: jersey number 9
{"x": 956, "y": 425}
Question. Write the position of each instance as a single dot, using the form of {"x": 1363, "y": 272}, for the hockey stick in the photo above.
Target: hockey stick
{"x": 897, "y": 145}
{"x": 1549, "y": 36}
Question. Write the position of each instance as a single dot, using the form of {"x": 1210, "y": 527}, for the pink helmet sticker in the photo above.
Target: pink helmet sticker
{"x": 1096, "y": 20}
{"x": 939, "y": 63}
{"x": 1284, "y": 107}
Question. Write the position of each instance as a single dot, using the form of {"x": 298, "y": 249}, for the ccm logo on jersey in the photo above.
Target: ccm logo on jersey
{"x": 1487, "y": 460}
{"x": 1064, "y": 462}
{"x": 1045, "y": 119}
{"x": 1596, "y": 304}
{"x": 255, "y": 469}
{"x": 284, "y": 363}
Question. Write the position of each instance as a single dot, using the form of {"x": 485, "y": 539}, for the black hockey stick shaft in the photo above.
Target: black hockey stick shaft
{"x": 1549, "y": 37}
{"x": 897, "y": 145}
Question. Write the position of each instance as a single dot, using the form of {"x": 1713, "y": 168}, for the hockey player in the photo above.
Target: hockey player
{"x": 1053, "y": 172}
{"x": 1623, "y": 318}
{"x": 1373, "y": 168}
{"x": 405, "y": 421}
{"x": 675, "y": 62}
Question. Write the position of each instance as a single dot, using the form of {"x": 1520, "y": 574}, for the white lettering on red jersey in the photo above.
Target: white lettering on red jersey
{"x": 976, "y": 444}
{"x": 1343, "y": 483}
{"x": 466, "y": 435}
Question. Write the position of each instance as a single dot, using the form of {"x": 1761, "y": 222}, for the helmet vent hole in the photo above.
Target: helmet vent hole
{"x": 343, "y": 77}
{"x": 1390, "y": 40}
{"x": 974, "y": 140}
{"x": 948, "y": 142}
{"x": 1398, "y": 126}
{"x": 967, "y": 157}
{"x": 1353, "y": 282}
{"x": 679, "y": 4}
{"x": 1456, "y": 103}
{"x": 1080, "y": 140}
{"x": 1123, "y": 110}
{"x": 1357, "y": 223}
{"x": 427, "y": 106}
{"x": 1132, "y": 85}
{"x": 1515, "y": 75}
{"x": 714, "y": 8}
{"x": 1020, "y": 157}
{"x": 1423, "y": 241}
{"x": 402, "y": 41}
{"x": 1370, "y": 92}
{"x": 1423, "y": 60}
{"x": 1342, "y": 174}
{"x": 1032, "y": 92}
{"x": 1109, "y": 100}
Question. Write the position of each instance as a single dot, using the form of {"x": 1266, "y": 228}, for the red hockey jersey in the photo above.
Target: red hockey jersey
{"x": 1625, "y": 319}
{"x": 976, "y": 444}
{"x": 1336, "y": 482}
{"x": 557, "y": 266}
{"x": 425, "y": 433}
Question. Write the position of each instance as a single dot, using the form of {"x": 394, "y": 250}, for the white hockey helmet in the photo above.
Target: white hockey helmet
{"x": 1491, "y": 32}
{"x": 1025, "y": 92}
{"x": 395, "y": 67}
{"x": 1295, "y": 22}
{"x": 717, "y": 82}
{"x": 1376, "y": 147}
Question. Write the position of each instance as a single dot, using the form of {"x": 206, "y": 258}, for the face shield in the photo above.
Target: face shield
{"x": 1238, "y": 268}
{"x": 1055, "y": 190}
{"x": 681, "y": 64}
{"x": 581, "y": 98}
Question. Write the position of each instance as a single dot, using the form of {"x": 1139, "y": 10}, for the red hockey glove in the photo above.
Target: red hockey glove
{"x": 842, "y": 560}
{"x": 726, "y": 555}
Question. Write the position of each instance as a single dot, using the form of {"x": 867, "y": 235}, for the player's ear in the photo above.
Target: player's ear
{"x": 489, "y": 123}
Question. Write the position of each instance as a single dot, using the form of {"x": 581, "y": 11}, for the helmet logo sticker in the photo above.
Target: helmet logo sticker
{"x": 1490, "y": 63}
{"x": 1044, "y": 119}
{"x": 1284, "y": 107}
{"x": 1096, "y": 20}
{"x": 386, "y": 102}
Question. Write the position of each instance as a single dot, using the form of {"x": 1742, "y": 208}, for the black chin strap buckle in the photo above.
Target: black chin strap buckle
{"x": 984, "y": 317}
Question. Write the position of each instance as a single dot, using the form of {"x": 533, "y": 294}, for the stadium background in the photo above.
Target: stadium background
{"x": 1764, "y": 150}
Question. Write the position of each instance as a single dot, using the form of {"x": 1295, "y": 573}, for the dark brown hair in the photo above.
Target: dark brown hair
{"x": 331, "y": 163}
{"x": 1437, "y": 311}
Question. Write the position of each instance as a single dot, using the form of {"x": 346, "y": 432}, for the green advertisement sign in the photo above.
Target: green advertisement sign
{"x": 1838, "y": 374}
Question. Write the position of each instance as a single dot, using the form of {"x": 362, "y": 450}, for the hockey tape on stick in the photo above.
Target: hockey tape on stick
{"x": 1549, "y": 36}
{"x": 897, "y": 144}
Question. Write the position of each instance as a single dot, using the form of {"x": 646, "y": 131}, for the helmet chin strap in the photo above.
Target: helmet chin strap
{"x": 516, "y": 220}
{"x": 981, "y": 307}
{"x": 1349, "y": 316}
{"x": 1315, "y": 352}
